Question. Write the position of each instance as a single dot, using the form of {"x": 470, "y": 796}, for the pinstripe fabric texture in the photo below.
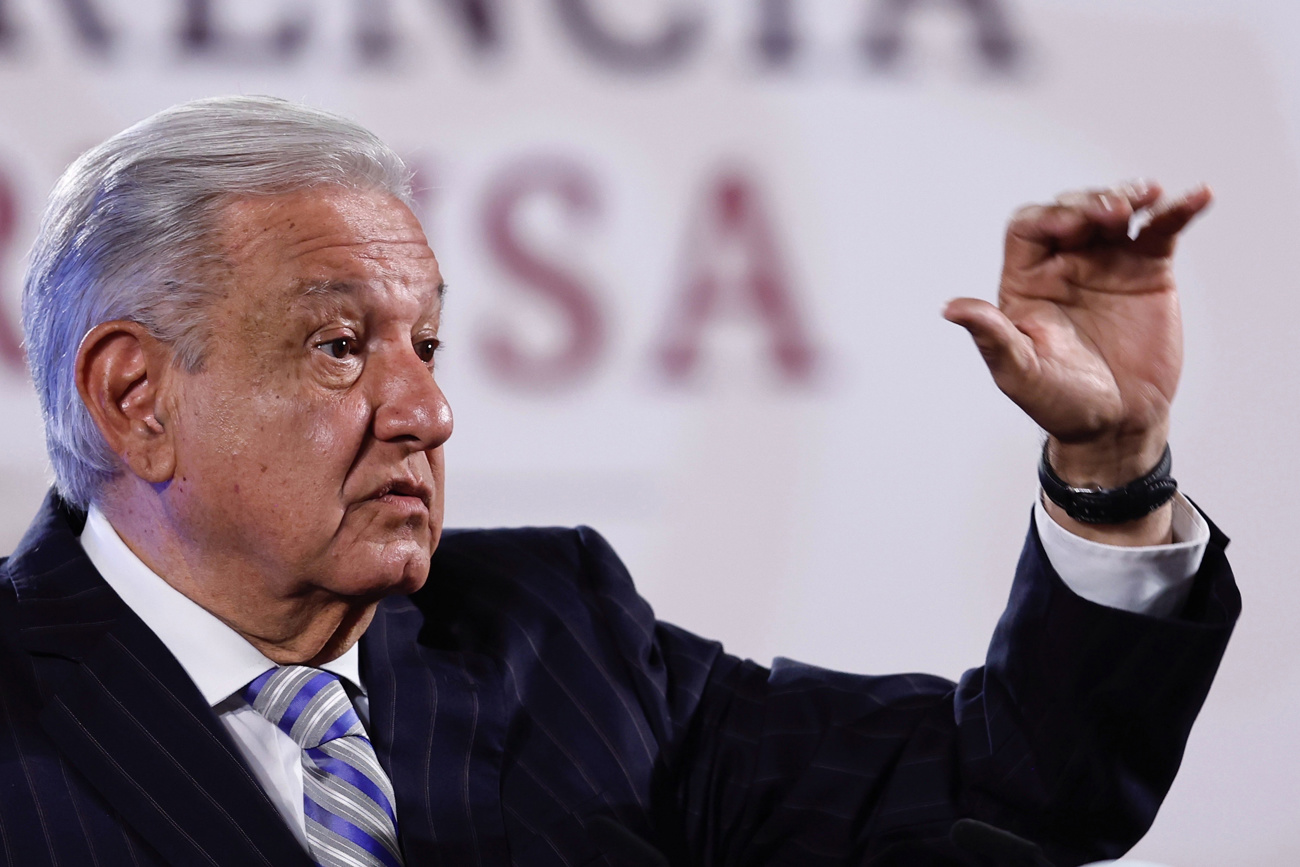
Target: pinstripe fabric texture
{"x": 527, "y": 691}
{"x": 348, "y": 799}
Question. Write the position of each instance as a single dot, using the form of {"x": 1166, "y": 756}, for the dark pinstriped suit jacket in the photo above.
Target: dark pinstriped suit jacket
{"x": 528, "y": 689}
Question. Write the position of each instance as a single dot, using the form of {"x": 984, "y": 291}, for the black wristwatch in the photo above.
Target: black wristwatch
{"x": 1137, "y": 499}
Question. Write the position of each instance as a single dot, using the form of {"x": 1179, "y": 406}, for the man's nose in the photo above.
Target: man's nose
{"x": 409, "y": 405}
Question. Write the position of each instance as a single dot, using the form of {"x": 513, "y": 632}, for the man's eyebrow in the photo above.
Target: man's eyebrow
{"x": 332, "y": 288}
{"x": 324, "y": 288}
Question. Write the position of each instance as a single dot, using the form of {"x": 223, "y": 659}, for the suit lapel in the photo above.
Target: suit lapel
{"x": 126, "y": 715}
{"x": 438, "y": 725}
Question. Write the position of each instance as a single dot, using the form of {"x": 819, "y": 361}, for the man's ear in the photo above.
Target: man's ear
{"x": 122, "y": 373}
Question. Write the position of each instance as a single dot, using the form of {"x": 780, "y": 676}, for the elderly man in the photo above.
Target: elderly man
{"x": 227, "y": 639}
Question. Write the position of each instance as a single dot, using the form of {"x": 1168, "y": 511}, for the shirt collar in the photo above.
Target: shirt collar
{"x": 217, "y": 658}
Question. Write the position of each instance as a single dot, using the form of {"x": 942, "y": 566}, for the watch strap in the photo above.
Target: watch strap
{"x": 1137, "y": 499}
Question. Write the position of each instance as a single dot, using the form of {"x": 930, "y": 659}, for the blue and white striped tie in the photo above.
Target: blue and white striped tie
{"x": 347, "y": 797}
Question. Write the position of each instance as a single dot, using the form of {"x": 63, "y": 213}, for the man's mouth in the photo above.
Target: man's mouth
{"x": 406, "y": 493}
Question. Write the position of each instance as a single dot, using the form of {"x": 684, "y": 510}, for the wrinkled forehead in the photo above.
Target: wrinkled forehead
{"x": 301, "y": 222}
{"x": 323, "y": 247}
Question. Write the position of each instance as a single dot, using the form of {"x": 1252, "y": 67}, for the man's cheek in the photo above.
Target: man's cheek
{"x": 330, "y": 429}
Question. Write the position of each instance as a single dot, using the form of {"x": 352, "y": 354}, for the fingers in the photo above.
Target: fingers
{"x": 1106, "y": 212}
{"x": 1168, "y": 217}
{"x": 1008, "y": 352}
{"x": 1080, "y": 218}
{"x": 1075, "y": 220}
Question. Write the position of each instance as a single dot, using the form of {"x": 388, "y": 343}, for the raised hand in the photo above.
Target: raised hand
{"x": 1086, "y": 336}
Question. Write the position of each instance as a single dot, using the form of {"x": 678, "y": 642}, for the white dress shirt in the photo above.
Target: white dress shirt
{"x": 1153, "y": 580}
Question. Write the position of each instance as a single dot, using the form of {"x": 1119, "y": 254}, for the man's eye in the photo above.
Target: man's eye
{"x": 340, "y": 347}
{"x": 426, "y": 349}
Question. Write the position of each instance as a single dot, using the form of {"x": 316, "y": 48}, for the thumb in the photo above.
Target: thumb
{"x": 1008, "y": 352}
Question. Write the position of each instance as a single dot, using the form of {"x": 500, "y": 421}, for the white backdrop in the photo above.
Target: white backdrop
{"x": 858, "y": 500}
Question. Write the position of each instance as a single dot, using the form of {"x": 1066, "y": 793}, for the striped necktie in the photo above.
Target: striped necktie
{"x": 347, "y": 797}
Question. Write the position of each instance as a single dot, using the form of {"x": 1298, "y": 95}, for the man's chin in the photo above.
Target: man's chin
{"x": 395, "y": 578}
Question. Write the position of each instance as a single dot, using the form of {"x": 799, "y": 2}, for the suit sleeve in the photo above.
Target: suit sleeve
{"x": 1070, "y": 734}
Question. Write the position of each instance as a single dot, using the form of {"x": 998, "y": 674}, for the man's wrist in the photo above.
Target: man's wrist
{"x": 1096, "y": 505}
{"x": 1109, "y": 463}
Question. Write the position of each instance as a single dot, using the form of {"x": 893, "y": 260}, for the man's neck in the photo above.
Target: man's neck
{"x": 304, "y": 627}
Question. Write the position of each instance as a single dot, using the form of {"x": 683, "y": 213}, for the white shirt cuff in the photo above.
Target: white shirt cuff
{"x": 1154, "y": 580}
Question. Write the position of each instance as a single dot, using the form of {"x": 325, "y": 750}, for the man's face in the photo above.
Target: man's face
{"x": 309, "y": 445}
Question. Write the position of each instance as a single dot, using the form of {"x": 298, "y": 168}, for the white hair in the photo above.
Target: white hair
{"x": 128, "y": 234}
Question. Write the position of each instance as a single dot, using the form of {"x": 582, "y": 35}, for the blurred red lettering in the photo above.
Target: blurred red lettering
{"x": 11, "y": 350}
{"x": 575, "y": 190}
{"x": 734, "y": 222}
